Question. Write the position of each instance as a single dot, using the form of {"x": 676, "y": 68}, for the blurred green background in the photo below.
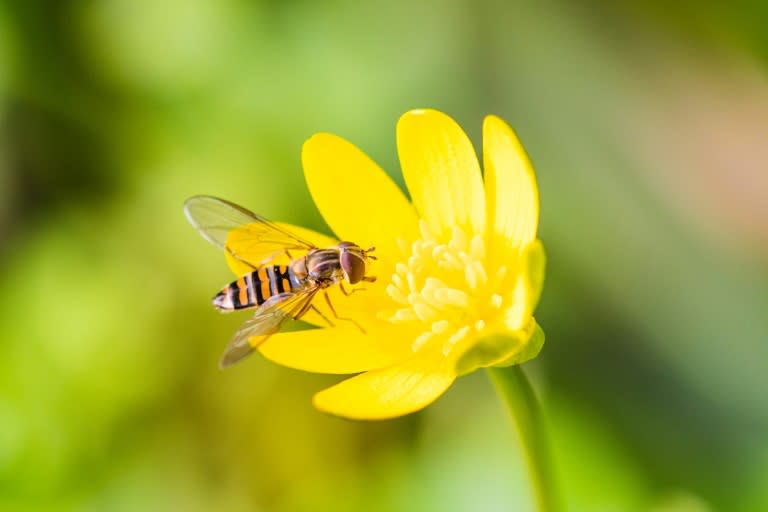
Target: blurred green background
{"x": 648, "y": 127}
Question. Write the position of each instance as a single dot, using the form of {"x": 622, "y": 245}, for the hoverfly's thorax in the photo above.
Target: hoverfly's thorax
{"x": 323, "y": 264}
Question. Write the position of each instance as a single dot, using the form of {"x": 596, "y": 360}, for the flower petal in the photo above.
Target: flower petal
{"x": 511, "y": 191}
{"x": 503, "y": 349}
{"x": 389, "y": 392}
{"x": 528, "y": 285}
{"x": 490, "y": 350}
{"x": 532, "y": 346}
{"x": 357, "y": 199}
{"x": 343, "y": 349}
{"x": 241, "y": 242}
{"x": 516, "y": 316}
{"x": 441, "y": 170}
{"x": 536, "y": 262}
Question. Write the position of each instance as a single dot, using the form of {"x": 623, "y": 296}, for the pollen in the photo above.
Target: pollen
{"x": 444, "y": 289}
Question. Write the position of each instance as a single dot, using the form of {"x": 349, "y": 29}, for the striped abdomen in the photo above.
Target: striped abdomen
{"x": 255, "y": 288}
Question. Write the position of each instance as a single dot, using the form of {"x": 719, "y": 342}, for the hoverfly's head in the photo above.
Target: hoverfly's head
{"x": 353, "y": 259}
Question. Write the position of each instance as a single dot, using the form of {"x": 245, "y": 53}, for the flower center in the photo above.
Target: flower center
{"x": 446, "y": 290}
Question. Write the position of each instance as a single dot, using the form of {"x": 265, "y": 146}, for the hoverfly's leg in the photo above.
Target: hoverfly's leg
{"x": 316, "y": 310}
{"x": 369, "y": 279}
{"x": 288, "y": 254}
{"x": 333, "y": 310}
{"x": 303, "y": 308}
{"x": 345, "y": 292}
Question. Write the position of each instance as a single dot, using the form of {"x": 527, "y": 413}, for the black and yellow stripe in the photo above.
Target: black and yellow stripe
{"x": 256, "y": 288}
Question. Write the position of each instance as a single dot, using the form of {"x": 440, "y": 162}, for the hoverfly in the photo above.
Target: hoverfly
{"x": 276, "y": 292}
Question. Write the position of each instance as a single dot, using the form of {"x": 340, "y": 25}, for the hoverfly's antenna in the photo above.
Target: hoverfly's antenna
{"x": 370, "y": 250}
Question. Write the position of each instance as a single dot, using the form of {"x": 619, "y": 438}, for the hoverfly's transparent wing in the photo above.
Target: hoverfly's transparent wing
{"x": 247, "y": 237}
{"x": 267, "y": 320}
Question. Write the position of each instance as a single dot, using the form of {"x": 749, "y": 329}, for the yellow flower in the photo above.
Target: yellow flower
{"x": 459, "y": 270}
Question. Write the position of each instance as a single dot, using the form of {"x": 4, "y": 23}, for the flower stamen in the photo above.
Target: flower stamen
{"x": 444, "y": 290}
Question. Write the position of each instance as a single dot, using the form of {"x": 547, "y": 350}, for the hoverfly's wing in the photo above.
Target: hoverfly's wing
{"x": 267, "y": 320}
{"x": 247, "y": 237}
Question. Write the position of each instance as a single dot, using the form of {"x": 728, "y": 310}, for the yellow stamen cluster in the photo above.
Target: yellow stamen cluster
{"x": 446, "y": 288}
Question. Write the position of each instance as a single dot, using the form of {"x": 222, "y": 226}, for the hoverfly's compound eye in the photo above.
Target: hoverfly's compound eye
{"x": 352, "y": 262}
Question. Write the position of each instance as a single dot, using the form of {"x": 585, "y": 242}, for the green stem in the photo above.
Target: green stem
{"x": 514, "y": 387}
